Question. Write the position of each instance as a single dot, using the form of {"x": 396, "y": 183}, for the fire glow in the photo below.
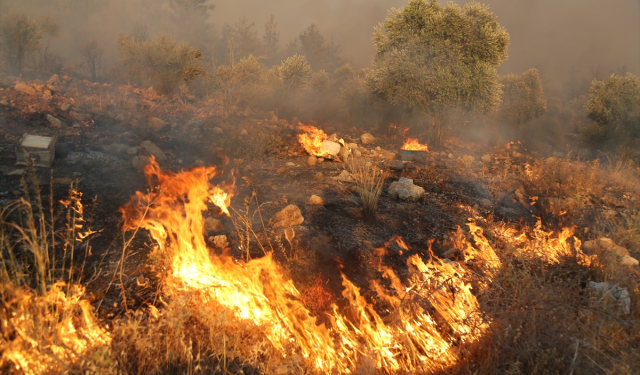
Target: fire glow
{"x": 311, "y": 140}
{"x": 258, "y": 296}
{"x": 412, "y": 144}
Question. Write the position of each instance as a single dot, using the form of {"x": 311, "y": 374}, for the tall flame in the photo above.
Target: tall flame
{"x": 412, "y": 339}
{"x": 412, "y": 144}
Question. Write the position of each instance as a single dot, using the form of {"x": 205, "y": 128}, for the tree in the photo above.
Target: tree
{"x": 294, "y": 72}
{"x": 92, "y": 52}
{"x": 320, "y": 54}
{"x": 160, "y": 60}
{"x": 431, "y": 59}
{"x": 245, "y": 39}
{"x": 20, "y": 35}
{"x": 50, "y": 28}
{"x": 271, "y": 38}
{"x": 614, "y": 109}
{"x": 523, "y": 98}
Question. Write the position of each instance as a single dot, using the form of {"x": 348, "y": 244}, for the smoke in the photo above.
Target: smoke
{"x": 588, "y": 37}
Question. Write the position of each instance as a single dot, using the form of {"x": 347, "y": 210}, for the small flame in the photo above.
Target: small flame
{"x": 312, "y": 139}
{"x": 412, "y": 144}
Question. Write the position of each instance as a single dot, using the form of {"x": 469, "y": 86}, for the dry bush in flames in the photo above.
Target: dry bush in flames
{"x": 369, "y": 181}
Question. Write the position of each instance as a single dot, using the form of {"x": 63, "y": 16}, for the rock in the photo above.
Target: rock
{"x": 154, "y": 150}
{"x": 344, "y": 153}
{"x": 609, "y": 213}
{"x": 450, "y": 156}
{"x": 331, "y": 147}
{"x": 356, "y": 153}
{"x": 378, "y": 148}
{"x": 54, "y": 122}
{"x": 316, "y": 200}
{"x": 139, "y": 162}
{"x": 405, "y": 189}
{"x": 628, "y": 260}
{"x": 217, "y": 130}
{"x": 281, "y": 170}
{"x": 612, "y": 293}
{"x": 115, "y": 149}
{"x": 605, "y": 246}
{"x": 312, "y": 160}
{"x": 198, "y": 163}
{"x": 288, "y": 217}
{"x": 367, "y": 139}
{"x": 54, "y": 80}
{"x": 352, "y": 146}
{"x": 290, "y": 164}
{"x": 344, "y": 176}
{"x": 132, "y": 151}
{"x": 486, "y": 158}
{"x": 320, "y": 160}
{"x": 397, "y": 165}
{"x": 318, "y": 177}
{"x": 157, "y": 124}
{"x": 388, "y": 155}
{"x": 25, "y": 89}
{"x": 220, "y": 241}
{"x": 64, "y": 106}
{"x": 244, "y": 132}
{"x": 213, "y": 225}
{"x": 79, "y": 116}
{"x": 20, "y": 172}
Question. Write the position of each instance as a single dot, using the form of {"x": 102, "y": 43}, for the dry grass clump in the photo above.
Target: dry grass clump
{"x": 369, "y": 180}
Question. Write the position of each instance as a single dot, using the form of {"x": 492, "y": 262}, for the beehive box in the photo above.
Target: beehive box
{"x": 37, "y": 149}
{"x": 410, "y": 155}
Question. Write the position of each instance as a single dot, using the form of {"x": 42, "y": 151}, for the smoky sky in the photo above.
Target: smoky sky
{"x": 589, "y": 37}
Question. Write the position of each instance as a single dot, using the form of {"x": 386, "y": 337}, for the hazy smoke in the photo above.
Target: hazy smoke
{"x": 588, "y": 36}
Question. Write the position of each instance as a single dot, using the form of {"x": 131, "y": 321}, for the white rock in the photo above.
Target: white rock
{"x": 613, "y": 293}
{"x": 405, "y": 189}
{"x": 331, "y": 147}
{"x": 367, "y": 139}
{"x": 54, "y": 122}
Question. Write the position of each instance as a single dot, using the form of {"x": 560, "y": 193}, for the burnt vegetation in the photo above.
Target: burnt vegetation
{"x": 224, "y": 200}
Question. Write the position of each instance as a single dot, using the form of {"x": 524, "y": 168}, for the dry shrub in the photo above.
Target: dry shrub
{"x": 369, "y": 180}
{"x": 316, "y": 297}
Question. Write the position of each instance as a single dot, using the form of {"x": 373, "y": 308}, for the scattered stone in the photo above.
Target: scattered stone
{"x": 318, "y": 177}
{"x": 367, "y": 139}
{"x": 199, "y": 163}
{"x": 154, "y": 150}
{"x": 609, "y": 213}
{"x": 320, "y": 160}
{"x": 156, "y": 124}
{"x": 316, "y": 200}
{"x": 486, "y": 158}
{"x": 486, "y": 203}
{"x": 397, "y": 165}
{"x": 288, "y": 217}
{"x": 77, "y": 125}
{"x": 290, "y": 164}
{"x": 344, "y": 153}
{"x": 312, "y": 160}
{"x": 79, "y": 116}
{"x": 220, "y": 241}
{"x": 388, "y": 155}
{"x": 331, "y": 147}
{"x": 281, "y": 170}
{"x": 606, "y": 245}
{"x": 139, "y": 162}
{"x": 54, "y": 122}
{"x": 19, "y": 173}
{"x": 405, "y": 189}
{"x": 217, "y": 130}
{"x": 65, "y": 107}
{"x": 213, "y": 225}
{"x": 244, "y": 132}
{"x": 115, "y": 149}
{"x": 54, "y": 80}
{"x": 378, "y": 148}
{"x": 612, "y": 293}
{"x": 353, "y": 146}
{"x": 132, "y": 151}
{"x": 450, "y": 156}
{"x": 25, "y": 89}
{"x": 356, "y": 153}
{"x": 344, "y": 176}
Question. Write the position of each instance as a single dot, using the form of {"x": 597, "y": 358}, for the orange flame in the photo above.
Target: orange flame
{"x": 312, "y": 139}
{"x": 261, "y": 298}
{"x": 412, "y": 144}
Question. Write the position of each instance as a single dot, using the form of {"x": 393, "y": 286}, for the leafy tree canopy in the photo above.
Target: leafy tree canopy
{"x": 431, "y": 58}
{"x": 523, "y": 98}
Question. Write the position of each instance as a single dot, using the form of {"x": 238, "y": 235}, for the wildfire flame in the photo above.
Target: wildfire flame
{"x": 412, "y": 144}
{"x": 258, "y": 294}
{"x": 311, "y": 140}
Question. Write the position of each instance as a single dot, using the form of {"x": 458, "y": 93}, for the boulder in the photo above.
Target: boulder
{"x": 79, "y": 116}
{"x": 331, "y": 147}
{"x": 212, "y": 225}
{"x": 315, "y": 200}
{"x": 607, "y": 246}
{"x": 154, "y": 150}
{"x": 405, "y": 189}
{"x": 344, "y": 153}
{"x": 288, "y": 217}
{"x": 54, "y": 122}
{"x": 157, "y": 124}
{"x": 312, "y": 160}
{"x": 25, "y": 89}
{"x": 367, "y": 139}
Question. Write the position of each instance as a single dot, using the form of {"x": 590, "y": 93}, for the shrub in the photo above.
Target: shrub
{"x": 20, "y": 35}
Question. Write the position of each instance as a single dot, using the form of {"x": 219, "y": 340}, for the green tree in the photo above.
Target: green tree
{"x": 160, "y": 61}
{"x": 20, "y": 35}
{"x": 523, "y": 98}
{"x": 319, "y": 53}
{"x": 431, "y": 59}
{"x": 294, "y": 72}
{"x": 92, "y": 52}
{"x": 614, "y": 109}
{"x": 271, "y": 38}
{"x": 245, "y": 39}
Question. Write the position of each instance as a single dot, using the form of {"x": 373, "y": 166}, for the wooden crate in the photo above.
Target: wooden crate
{"x": 40, "y": 150}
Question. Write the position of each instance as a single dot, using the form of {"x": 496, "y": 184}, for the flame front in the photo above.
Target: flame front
{"x": 261, "y": 298}
{"x": 412, "y": 144}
